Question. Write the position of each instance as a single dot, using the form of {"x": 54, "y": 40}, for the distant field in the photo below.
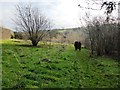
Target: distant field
{"x": 55, "y": 66}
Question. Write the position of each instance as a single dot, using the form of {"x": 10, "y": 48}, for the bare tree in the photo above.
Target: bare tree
{"x": 102, "y": 37}
{"x": 32, "y": 22}
{"x": 110, "y": 6}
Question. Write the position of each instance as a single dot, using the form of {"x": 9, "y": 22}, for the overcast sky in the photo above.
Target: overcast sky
{"x": 62, "y": 13}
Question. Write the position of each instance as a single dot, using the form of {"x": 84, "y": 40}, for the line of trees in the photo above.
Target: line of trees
{"x": 104, "y": 35}
{"x": 103, "y": 38}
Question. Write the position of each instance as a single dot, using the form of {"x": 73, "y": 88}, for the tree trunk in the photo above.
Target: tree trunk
{"x": 34, "y": 42}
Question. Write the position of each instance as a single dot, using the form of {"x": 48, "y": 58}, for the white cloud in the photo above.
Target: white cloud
{"x": 66, "y": 14}
{"x": 26, "y": 0}
{"x": 6, "y": 14}
{"x": 63, "y": 13}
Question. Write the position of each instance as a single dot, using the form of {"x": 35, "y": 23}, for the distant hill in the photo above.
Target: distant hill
{"x": 6, "y": 33}
{"x": 69, "y": 35}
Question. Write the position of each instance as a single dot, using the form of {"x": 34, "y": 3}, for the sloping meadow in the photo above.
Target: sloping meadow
{"x": 55, "y": 66}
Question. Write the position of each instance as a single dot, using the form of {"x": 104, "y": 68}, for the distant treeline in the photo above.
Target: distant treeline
{"x": 58, "y": 35}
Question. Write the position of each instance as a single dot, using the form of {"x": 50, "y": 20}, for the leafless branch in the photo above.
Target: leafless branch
{"x": 31, "y": 21}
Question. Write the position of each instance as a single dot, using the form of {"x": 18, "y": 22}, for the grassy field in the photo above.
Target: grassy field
{"x": 56, "y": 66}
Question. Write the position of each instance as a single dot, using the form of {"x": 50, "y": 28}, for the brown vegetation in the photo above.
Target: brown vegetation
{"x": 103, "y": 38}
{"x": 6, "y": 33}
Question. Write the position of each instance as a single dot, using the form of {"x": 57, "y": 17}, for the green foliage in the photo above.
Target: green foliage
{"x": 57, "y": 67}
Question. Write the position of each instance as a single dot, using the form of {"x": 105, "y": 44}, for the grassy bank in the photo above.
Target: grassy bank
{"x": 55, "y": 66}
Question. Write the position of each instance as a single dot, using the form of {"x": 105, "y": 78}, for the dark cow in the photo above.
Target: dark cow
{"x": 77, "y": 45}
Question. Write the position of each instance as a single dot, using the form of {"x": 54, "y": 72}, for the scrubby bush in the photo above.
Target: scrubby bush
{"x": 18, "y": 35}
{"x": 102, "y": 38}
